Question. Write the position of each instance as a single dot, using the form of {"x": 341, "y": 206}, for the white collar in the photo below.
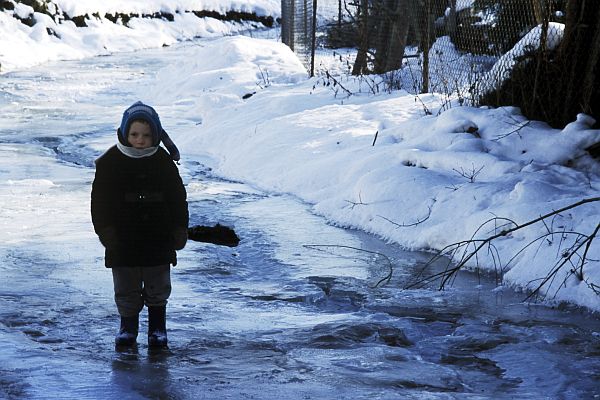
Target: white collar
{"x": 136, "y": 153}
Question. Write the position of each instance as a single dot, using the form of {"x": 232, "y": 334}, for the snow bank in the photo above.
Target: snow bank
{"x": 82, "y": 7}
{"x": 426, "y": 183}
{"x": 53, "y": 38}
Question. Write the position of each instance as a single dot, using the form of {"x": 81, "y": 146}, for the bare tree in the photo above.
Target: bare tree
{"x": 392, "y": 36}
{"x": 360, "y": 64}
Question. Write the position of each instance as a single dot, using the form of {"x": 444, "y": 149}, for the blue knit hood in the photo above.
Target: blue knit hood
{"x": 141, "y": 111}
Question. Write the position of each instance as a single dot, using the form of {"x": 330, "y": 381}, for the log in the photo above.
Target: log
{"x": 219, "y": 234}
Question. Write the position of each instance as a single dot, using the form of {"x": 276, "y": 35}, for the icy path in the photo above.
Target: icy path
{"x": 271, "y": 319}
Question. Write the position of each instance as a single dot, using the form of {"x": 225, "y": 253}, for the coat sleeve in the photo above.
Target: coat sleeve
{"x": 177, "y": 198}
{"x": 102, "y": 204}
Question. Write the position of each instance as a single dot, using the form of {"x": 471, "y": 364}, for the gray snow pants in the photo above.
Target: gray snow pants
{"x": 136, "y": 286}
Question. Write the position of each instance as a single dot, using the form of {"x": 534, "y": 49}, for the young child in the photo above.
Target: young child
{"x": 139, "y": 211}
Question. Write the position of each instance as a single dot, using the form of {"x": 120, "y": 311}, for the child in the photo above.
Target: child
{"x": 140, "y": 214}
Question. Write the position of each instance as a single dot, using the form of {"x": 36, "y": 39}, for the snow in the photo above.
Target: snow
{"x": 530, "y": 41}
{"x": 83, "y": 7}
{"x": 463, "y": 4}
{"x": 24, "y": 46}
{"x": 427, "y": 182}
{"x": 290, "y": 138}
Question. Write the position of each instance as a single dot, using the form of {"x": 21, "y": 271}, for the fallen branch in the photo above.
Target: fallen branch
{"x": 567, "y": 258}
{"x": 218, "y": 234}
{"x": 472, "y": 247}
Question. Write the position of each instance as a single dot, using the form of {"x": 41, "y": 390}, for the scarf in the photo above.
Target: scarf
{"x": 136, "y": 153}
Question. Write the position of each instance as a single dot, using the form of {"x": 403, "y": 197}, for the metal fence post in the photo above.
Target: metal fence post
{"x": 313, "y": 39}
{"x": 426, "y": 47}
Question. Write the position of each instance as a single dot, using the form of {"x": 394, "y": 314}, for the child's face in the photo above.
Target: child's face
{"x": 140, "y": 135}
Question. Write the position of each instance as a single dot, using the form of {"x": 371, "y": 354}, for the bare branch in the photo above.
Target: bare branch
{"x": 359, "y": 203}
{"x": 418, "y": 222}
{"x": 385, "y": 279}
{"x": 587, "y": 248}
{"x": 516, "y": 130}
{"x": 473, "y": 246}
{"x": 470, "y": 175}
{"x": 557, "y": 267}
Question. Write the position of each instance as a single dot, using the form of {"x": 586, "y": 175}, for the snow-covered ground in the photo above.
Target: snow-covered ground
{"x": 427, "y": 181}
{"x": 24, "y": 46}
{"x": 427, "y": 172}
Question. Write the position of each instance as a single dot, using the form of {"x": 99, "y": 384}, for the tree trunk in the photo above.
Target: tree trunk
{"x": 451, "y": 20}
{"x": 398, "y": 36}
{"x": 360, "y": 64}
{"x": 340, "y": 16}
{"x": 382, "y": 16}
{"x": 578, "y": 56}
{"x": 392, "y": 32}
{"x": 539, "y": 10}
{"x": 591, "y": 80}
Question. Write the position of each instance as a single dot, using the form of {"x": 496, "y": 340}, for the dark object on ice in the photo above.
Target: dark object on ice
{"x": 248, "y": 95}
{"x": 218, "y": 234}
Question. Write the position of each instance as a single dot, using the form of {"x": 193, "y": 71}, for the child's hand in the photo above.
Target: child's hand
{"x": 180, "y": 237}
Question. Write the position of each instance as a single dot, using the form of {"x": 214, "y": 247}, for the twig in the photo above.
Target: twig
{"x": 426, "y": 110}
{"x": 470, "y": 175}
{"x": 337, "y": 83}
{"x": 532, "y": 243}
{"x": 587, "y": 248}
{"x": 375, "y": 138}
{"x": 558, "y": 266}
{"x": 385, "y": 279}
{"x": 265, "y": 79}
{"x": 418, "y": 222}
{"x": 519, "y": 126}
{"x": 359, "y": 203}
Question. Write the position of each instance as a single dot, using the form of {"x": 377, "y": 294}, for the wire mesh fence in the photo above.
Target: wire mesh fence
{"x": 463, "y": 48}
{"x": 298, "y": 29}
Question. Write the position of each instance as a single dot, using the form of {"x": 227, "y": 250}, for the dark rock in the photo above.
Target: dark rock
{"x": 80, "y": 21}
{"x": 6, "y": 5}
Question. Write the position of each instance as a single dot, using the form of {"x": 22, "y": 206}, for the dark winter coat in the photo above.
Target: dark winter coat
{"x": 138, "y": 208}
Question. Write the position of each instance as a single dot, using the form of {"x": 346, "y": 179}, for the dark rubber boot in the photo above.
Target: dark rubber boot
{"x": 157, "y": 326}
{"x": 128, "y": 332}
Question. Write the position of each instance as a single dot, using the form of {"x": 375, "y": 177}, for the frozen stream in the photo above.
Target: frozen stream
{"x": 270, "y": 319}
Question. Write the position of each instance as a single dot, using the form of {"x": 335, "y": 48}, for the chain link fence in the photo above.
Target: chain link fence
{"x": 463, "y": 48}
{"x": 298, "y": 29}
